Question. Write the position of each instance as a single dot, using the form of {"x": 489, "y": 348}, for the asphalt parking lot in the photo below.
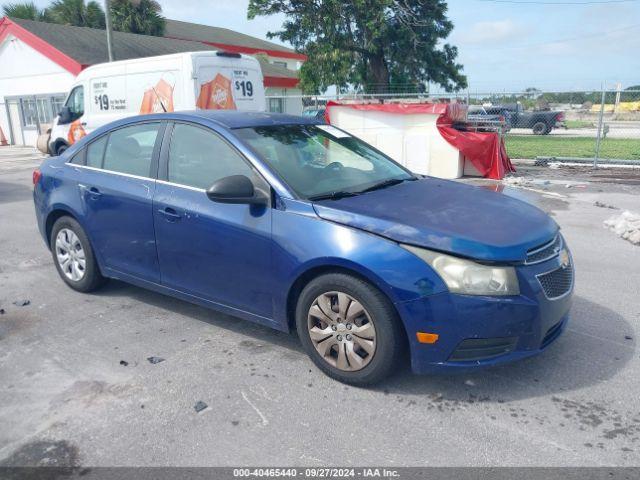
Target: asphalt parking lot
{"x": 76, "y": 387}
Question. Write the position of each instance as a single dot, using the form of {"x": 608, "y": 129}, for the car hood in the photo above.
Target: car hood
{"x": 447, "y": 216}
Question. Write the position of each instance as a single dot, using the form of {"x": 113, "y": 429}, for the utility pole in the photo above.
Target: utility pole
{"x": 107, "y": 18}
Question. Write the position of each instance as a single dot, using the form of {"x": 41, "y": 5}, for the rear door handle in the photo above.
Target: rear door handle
{"x": 169, "y": 213}
{"x": 92, "y": 191}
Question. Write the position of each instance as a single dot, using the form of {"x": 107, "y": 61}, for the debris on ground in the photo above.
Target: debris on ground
{"x": 626, "y": 226}
{"x": 628, "y": 337}
{"x": 124, "y": 363}
{"x": 1, "y": 311}
{"x": 22, "y": 303}
{"x": 200, "y": 406}
{"x": 604, "y": 205}
{"x": 154, "y": 360}
{"x": 515, "y": 181}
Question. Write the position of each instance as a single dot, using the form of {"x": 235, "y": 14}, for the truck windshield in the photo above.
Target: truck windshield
{"x": 320, "y": 161}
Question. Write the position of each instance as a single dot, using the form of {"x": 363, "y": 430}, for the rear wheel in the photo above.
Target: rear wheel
{"x": 73, "y": 256}
{"x": 540, "y": 128}
{"x": 349, "y": 329}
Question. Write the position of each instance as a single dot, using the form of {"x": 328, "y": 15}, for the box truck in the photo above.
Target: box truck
{"x": 185, "y": 81}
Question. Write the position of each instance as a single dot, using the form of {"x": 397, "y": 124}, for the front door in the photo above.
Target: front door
{"x": 216, "y": 251}
{"x": 117, "y": 186}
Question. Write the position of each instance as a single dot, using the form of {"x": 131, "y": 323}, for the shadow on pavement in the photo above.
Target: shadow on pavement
{"x": 591, "y": 350}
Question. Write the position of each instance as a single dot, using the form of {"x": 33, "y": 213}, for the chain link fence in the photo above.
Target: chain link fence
{"x": 591, "y": 127}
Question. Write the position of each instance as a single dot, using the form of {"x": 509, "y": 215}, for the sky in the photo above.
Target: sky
{"x": 504, "y": 45}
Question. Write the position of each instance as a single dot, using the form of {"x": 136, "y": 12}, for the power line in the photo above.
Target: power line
{"x": 536, "y": 2}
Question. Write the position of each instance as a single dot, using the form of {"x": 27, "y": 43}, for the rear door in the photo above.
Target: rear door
{"x": 229, "y": 82}
{"x": 216, "y": 251}
{"x": 117, "y": 193}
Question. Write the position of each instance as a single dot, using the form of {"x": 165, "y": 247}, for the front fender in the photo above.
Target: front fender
{"x": 304, "y": 242}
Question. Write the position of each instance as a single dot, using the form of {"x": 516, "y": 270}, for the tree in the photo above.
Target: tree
{"x": 28, "y": 11}
{"x": 380, "y": 45}
{"x": 77, "y": 13}
{"x": 137, "y": 16}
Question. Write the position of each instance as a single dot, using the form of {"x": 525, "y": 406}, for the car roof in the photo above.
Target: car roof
{"x": 230, "y": 119}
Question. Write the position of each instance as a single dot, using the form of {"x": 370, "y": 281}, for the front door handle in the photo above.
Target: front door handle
{"x": 169, "y": 213}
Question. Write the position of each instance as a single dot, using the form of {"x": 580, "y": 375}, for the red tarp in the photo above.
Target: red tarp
{"x": 485, "y": 150}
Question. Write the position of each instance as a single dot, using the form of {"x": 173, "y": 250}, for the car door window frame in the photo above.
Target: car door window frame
{"x": 155, "y": 154}
{"x": 163, "y": 164}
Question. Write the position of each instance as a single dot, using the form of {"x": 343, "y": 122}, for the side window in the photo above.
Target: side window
{"x": 95, "y": 152}
{"x": 78, "y": 158}
{"x": 198, "y": 157}
{"x": 75, "y": 102}
{"x": 130, "y": 149}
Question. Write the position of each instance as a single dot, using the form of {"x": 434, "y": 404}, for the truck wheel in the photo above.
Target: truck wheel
{"x": 540, "y": 128}
{"x": 61, "y": 149}
{"x": 350, "y": 329}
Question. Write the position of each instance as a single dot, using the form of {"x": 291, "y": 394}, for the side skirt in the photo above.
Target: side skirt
{"x": 252, "y": 317}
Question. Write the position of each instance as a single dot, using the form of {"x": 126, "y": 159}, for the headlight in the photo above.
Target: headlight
{"x": 468, "y": 277}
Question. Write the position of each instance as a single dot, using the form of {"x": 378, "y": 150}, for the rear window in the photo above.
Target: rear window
{"x": 95, "y": 152}
{"x": 130, "y": 149}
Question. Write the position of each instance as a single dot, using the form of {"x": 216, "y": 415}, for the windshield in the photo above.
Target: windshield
{"x": 320, "y": 160}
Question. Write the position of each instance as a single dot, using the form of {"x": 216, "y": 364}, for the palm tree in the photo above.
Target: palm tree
{"x": 137, "y": 16}
{"x": 77, "y": 13}
{"x": 27, "y": 10}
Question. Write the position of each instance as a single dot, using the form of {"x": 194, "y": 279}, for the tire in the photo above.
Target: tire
{"x": 388, "y": 336}
{"x": 89, "y": 276}
{"x": 540, "y": 128}
{"x": 61, "y": 149}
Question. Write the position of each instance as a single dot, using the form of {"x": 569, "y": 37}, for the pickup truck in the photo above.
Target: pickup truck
{"x": 540, "y": 122}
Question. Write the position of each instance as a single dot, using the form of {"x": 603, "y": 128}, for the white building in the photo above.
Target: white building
{"x": 39, "y": 62}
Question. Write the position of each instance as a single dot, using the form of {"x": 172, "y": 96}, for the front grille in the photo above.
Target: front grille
{"x": 551, "y": 334}
{"x": 476, "y": 349}
{"x": 545, "y": 252}
{"x": 558, "y": 282}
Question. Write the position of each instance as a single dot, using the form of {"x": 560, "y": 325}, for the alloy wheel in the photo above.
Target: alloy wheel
{"x": 70, "y": 255}
{"x": 341, "y": 331}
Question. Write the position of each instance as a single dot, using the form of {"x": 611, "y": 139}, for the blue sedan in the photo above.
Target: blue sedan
{"x": 297, "y": 225}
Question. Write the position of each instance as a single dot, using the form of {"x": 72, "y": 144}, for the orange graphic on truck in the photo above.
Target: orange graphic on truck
{"x": 76, "y": 132}
{"x": 156, "y": 98}
{"x": 216, "y": 94}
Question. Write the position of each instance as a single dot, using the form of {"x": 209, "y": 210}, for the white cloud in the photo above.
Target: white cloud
{"x": 491, "y": 32}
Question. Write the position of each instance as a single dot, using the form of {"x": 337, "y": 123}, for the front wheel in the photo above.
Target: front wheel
{"x": 73, "y": 256}
{"x": 61, "y": 149}
{"x": 350, "y": 329}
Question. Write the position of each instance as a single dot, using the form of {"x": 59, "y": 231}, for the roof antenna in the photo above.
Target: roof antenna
{"x": 159, "y": 99}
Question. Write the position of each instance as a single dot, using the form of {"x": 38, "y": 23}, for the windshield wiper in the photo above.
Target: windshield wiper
{"x": 333, "y": 195}
{"x": 387, "y": 183}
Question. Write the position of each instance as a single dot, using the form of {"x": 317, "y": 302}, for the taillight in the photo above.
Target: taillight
{"x": 560, "y": 117}
{"x": 37, "y": 174}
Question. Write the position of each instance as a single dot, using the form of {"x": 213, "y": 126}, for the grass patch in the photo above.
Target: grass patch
{"x": 579, "y": 124}
{"x": 532, "y": 146}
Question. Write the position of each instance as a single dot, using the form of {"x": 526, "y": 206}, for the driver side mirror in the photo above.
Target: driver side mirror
{"x": 236, "y": 189}
{"x": 64, "y": 115}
